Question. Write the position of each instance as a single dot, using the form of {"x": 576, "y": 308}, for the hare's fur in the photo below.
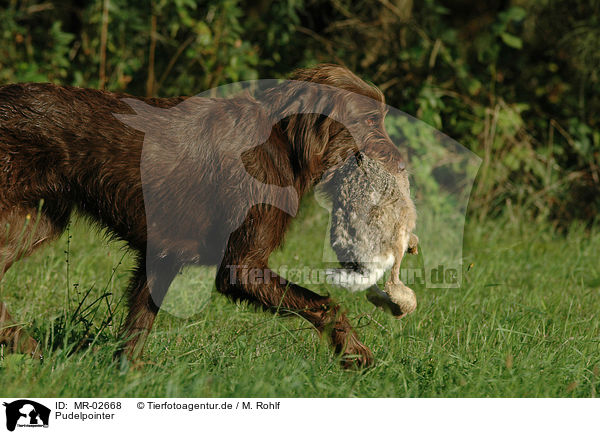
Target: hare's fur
{"x": 372, "y": 227}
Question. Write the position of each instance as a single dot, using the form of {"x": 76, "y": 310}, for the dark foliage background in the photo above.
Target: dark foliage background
{"x": 516, "y": 81}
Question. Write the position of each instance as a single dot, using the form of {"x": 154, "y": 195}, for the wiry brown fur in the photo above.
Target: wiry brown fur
{"x": 63, "y": 145}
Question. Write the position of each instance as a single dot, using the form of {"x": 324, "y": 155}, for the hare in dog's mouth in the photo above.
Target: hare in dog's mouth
{"x": 372, "y": 226}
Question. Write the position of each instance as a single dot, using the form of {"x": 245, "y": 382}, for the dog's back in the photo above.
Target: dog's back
{"x": 63, "y": 146}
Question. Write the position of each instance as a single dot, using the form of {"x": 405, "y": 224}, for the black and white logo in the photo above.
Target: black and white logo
{"x": 25, "y": 413}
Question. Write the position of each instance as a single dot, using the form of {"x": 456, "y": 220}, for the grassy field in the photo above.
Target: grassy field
{"x": 525, "y": 323}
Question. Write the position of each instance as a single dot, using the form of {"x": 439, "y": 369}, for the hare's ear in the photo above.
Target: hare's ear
{"x": 375, "y": 213}
{"x": 388, "y": 200}
{"x": 347, "y": 163}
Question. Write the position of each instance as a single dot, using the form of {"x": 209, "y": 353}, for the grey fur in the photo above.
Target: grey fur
{"x": 372, "y": 221}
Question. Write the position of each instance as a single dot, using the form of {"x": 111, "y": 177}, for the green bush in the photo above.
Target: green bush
{"x": 514, "y": 81}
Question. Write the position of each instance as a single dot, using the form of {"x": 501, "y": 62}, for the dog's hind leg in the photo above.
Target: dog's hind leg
{"x": 147, "y": 289}
{"x": 13, "y": 337}
{"x": 22, "y": 230}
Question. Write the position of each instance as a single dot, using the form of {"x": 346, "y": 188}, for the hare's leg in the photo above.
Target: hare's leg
{"x": 22, "y": 231}
{"x": 396, "y": 297}
{"x": 413, "y": 244}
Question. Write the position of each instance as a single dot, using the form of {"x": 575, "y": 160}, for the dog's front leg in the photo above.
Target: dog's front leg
{"x": 256, "y": 283}
{"x": 244, "y": 275}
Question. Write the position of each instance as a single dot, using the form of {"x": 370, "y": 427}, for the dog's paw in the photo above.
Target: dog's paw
{"x": 356, "y": 355}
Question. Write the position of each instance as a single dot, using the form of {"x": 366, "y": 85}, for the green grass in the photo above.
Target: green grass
{"x": 525, "y": 323}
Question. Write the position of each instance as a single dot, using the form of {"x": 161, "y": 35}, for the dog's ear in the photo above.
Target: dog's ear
{"x": 309, "y": 135}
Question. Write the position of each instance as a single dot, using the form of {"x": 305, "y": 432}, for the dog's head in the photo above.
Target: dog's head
{"x": 329, "y": 114}
{"x": 364, "y": 174}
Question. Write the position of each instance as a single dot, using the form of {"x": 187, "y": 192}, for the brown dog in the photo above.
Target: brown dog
{"x": 63, "y": 148}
